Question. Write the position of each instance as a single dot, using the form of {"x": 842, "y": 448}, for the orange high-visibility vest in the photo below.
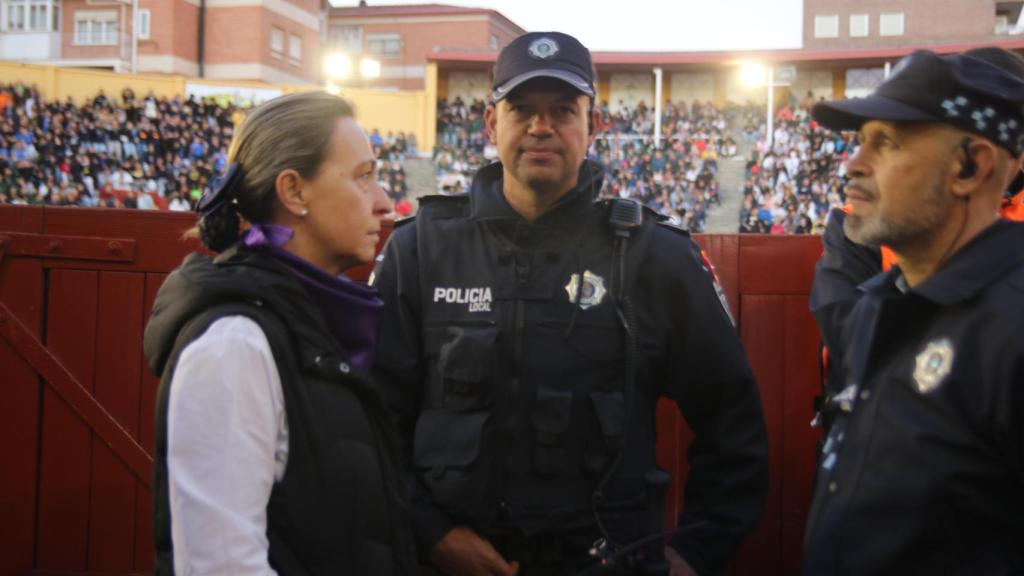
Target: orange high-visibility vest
{"x": 1013, "y": 208}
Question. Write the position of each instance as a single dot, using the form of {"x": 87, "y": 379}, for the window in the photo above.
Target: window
{"x": 1002, "y": 24}
{"x": 276, "y": 40}
{"x": 826, "y": 26}
{"x": 28, "y": 15}
{"x": 891, "y": 24}
{"x": 1007, "y": 17}
{"x": 384, "y": 45}
{"x": 37, "y": 15}
{"x": 859, "y": 25}
{"x": 95, "y": 28}
{"x": 144, "y": 24}
{"x": 347, "y": 39}
{"x": 15, "y": 16}
{"x": 295, "y": 47}
{"x": 494, "y": 42}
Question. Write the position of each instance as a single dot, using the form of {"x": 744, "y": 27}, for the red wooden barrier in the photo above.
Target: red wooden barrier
{"x": 76, "y": 427}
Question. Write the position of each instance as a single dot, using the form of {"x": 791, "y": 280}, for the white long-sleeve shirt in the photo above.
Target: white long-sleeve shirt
{"x": 227, "y": 443}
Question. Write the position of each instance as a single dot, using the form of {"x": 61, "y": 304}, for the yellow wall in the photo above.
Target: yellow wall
{"x": 393, "y": 112}
{"x": 82, "y": 83}
{"x": 387, "y": 111}
{"x": 430, "y": 98}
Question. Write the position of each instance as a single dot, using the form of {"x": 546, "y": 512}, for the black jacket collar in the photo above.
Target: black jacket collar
{"x": 980, "y": 262}
{"x": 487, "y": 198}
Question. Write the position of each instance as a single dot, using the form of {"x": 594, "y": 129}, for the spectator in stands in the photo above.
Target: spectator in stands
{"x": 156, "y": 146}
{"x": 178, "y": 203}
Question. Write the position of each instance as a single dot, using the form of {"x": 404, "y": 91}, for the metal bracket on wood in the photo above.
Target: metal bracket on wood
{"x": 69, "y": 247}
{"x": 80, "y": 400}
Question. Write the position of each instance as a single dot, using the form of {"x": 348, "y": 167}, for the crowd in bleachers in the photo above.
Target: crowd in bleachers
{"x": 391, "y": 150}
{"x": 678, "y": 178}
{"x": 131, "y": 152}
{"x": 462, "y": 144}
{"x": 792, "y": 185}
{"x": 126, "y": 152}
{"x": 149, "y": 152}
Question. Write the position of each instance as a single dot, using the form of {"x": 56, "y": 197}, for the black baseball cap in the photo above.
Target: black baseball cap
{"x": 962, "y": 90}
{"x": 543, "y": 54}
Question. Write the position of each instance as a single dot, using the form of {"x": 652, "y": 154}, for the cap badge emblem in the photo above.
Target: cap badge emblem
{"x": 932, "y": 365}
{"x": 543, "y": 48}
{"x": 591, "y": 293}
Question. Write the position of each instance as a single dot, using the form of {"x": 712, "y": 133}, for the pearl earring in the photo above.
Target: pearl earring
{"x": 304, "y": 213}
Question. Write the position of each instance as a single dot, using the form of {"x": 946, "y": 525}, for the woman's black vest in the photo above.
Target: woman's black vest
{"x": 339, "y": 508}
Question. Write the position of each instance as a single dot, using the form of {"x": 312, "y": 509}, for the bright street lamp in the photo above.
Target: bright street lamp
{"x": 752, "y": 74}
{"x": 337, "y": 66}
{"x": 369, "y": 68}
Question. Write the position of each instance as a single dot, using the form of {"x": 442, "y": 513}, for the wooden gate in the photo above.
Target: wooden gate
{"x": 76, "y": 428}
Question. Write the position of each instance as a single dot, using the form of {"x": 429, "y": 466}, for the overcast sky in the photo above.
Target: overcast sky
{"x": 653, "y": 25}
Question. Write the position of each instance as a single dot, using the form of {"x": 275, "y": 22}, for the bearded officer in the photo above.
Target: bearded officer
{"x": 922, "y": 471}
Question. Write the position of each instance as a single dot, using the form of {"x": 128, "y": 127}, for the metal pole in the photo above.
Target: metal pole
{"x": 201, "y": 40}
{"x": 657, "y": 108}
{"x": 121, "y": 37}
{"x": 888, "y": 69}
{"x": 771, "y": 107}
{"x": 135, "y": 36}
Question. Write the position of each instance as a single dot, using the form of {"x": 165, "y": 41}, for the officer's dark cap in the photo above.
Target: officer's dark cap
{"x": 964, "y": 90}
{"x": 543, "y": 55}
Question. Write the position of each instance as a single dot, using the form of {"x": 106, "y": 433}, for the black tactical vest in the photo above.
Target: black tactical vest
{"x": 524, "y": 408}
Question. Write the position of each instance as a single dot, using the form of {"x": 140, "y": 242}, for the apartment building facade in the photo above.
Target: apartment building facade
{"x": 276, "y": 41}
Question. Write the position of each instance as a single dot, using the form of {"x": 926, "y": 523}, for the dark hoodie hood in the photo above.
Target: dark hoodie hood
{"x": 237, "y": 275}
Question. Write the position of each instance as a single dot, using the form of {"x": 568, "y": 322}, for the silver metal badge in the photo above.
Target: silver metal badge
{"x": 933, "y": 365}
{"x": 592, "y": 291}
{"x": 543, "y": 48}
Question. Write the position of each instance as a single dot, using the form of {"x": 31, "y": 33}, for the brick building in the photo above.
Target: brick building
{"x": 275, "y": 41}
{"x": 402, "y": 37}
{"x": 852, "y": 24}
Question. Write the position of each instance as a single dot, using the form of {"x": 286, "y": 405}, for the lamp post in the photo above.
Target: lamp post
{"x": 657, "y": 107}
{"x": 753, "y": 74}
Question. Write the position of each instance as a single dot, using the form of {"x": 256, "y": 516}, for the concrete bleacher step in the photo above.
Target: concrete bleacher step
{"x": 724, "y": 219}
{"x": 419, "y": 173}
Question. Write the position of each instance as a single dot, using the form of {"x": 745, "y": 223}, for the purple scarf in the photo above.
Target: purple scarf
{"x": 352, "y": 310}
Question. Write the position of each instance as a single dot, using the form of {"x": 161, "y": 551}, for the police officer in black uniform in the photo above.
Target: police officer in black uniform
{"x": 923, "y": 469}
{"x": 528, "y": 334}
{"x": 844, "y": 265}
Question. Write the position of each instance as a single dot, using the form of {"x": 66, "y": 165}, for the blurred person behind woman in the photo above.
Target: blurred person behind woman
{"x": 273, "y": 453}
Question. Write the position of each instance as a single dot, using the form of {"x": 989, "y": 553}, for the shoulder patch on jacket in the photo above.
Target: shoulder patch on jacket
{"x": 709, "y": 268}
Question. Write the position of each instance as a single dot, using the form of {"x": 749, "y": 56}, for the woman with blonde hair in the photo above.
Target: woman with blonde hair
{"x": 273, "y": 451}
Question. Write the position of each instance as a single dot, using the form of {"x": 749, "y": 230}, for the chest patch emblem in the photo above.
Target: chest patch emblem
{"x": 590, "y": 294}
{"x": 933, "y": 365}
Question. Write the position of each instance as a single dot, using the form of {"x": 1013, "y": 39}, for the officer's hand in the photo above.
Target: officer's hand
{"x": 679, "y": 567}
{"x": 464, "y": 553}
